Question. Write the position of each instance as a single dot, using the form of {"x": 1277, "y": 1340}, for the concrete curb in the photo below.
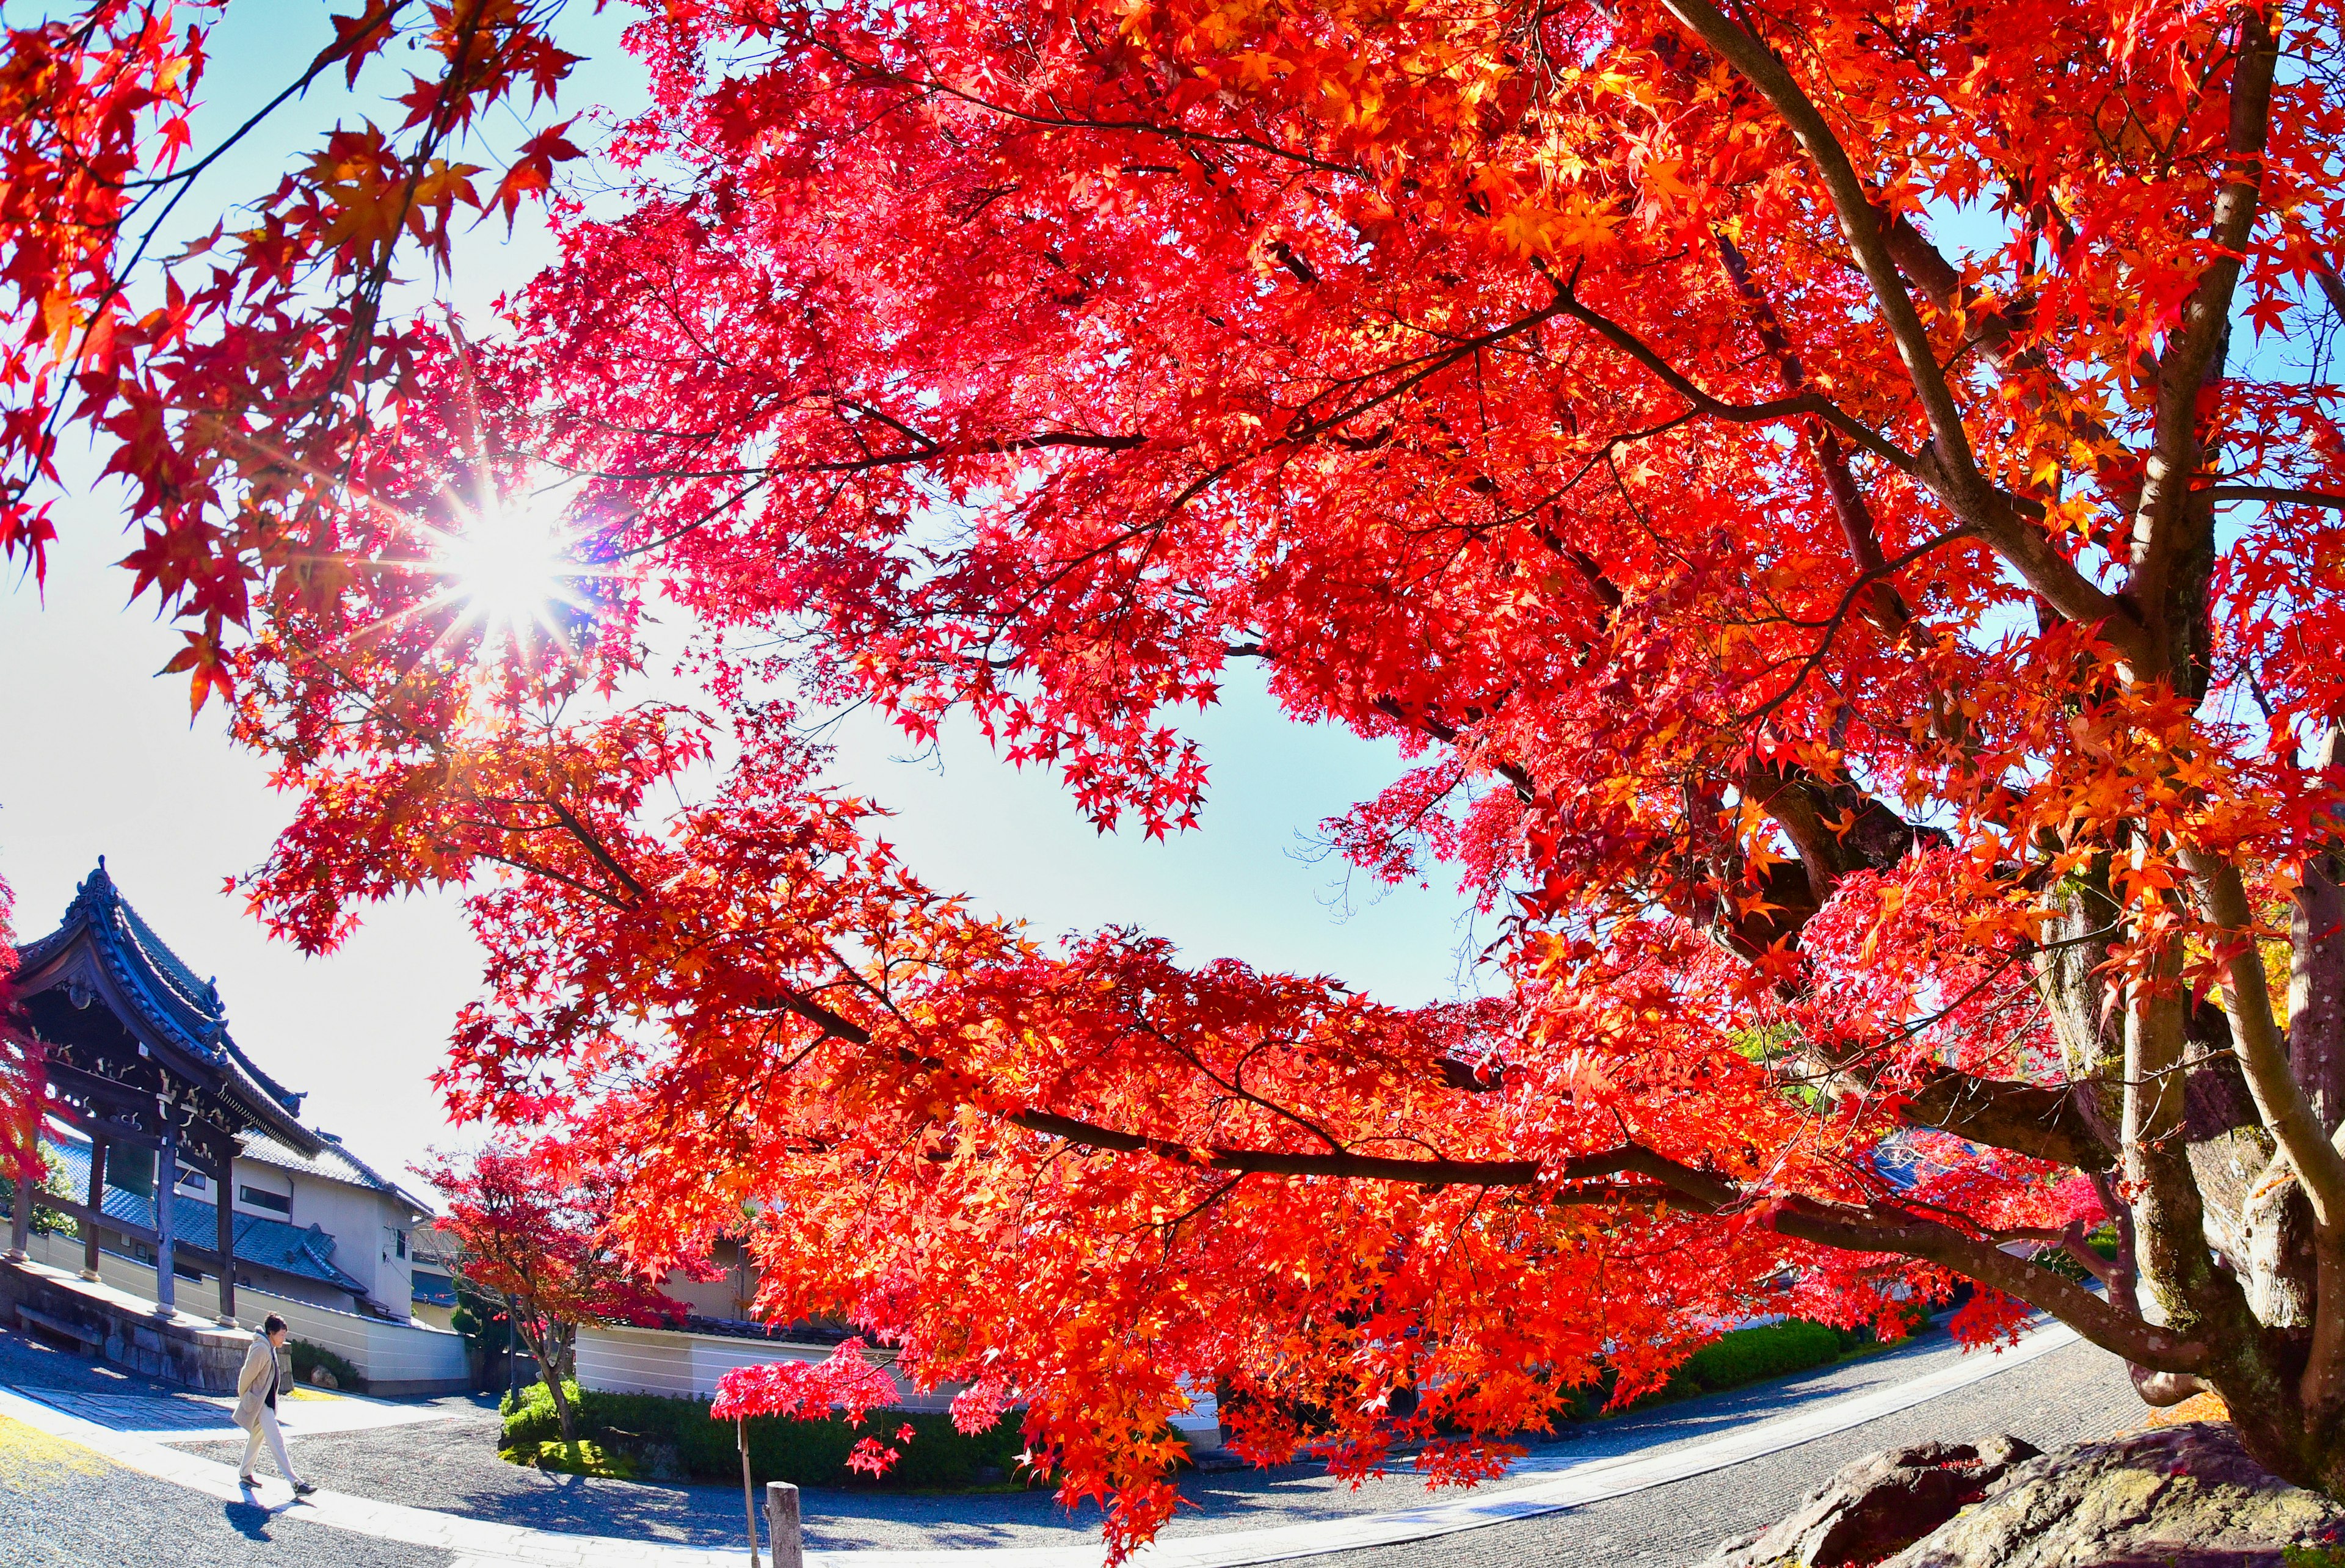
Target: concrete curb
{"x": 1568, "y": 1483}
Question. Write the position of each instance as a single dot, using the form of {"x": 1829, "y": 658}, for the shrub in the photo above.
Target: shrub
{"x": 631, "y": 1428}
{"x": 1753, "y": 1355}
{"x": 1743, "y": 1356}
{"x": 307, "y": 1356}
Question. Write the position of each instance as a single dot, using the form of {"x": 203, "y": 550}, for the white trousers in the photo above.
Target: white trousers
{"x": 267, "y": 1427}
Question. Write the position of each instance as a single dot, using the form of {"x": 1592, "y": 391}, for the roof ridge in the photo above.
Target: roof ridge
{"x": 186, "y": 1012}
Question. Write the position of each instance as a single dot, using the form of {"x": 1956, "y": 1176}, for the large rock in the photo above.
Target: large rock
{"x": 2176, "y": 1497}
{"x": 1877, "y": 1504}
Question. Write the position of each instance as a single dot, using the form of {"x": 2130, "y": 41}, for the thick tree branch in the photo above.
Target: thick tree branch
{"x": 2047, "y": 1124}
{"x": 1271, "y": 1162}
{"x": 1947, "y": 465}
{"x": 2173, "y": 530}
{"x": 2280, "y": 1101}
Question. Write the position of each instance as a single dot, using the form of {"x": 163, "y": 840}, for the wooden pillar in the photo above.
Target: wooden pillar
{"x": 20, "y": 1222}
{"x": 166, "y": 1177}
{"x": 97, "y": 1206}
{"x": 226, "y": 1176}
{"x": 782, "y": 1525}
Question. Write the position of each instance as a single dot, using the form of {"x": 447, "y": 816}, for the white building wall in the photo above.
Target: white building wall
{"x": 262, "y": 1178}
{"x": 617, "y": 1359}
{"x": 356, "y": 1217}
{"x": 620, "y": 1360}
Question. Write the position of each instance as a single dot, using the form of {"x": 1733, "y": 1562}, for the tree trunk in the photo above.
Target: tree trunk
{"x": 562, "y": 1407}
{"x": 547, "y": 1340}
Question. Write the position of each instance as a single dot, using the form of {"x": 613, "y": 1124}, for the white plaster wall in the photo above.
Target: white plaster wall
{"x": 619, "y": 1360}
{"x": 265, "y": 1178}
{"x": 355, "y": 1217}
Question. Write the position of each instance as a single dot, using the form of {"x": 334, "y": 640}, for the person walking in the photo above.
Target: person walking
{"x": 256, "y": 1402}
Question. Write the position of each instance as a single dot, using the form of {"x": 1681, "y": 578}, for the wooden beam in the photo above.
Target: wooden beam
{"x": 99, "y": 1218}
{"x": 96, "y": 1205}
{"x": 225, "y": 1208}
{"x": 203, "y": 1257}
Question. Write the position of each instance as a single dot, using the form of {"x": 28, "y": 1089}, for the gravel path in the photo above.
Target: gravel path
{"x": 62, "y": 1506}
{"x": 2073, "y": 1393}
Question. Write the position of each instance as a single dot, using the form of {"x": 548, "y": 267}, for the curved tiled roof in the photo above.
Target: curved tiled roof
{"x": 332, "y": 1161}
{"x": 172, "y": 1005}
{"x": 272, "y": 1243}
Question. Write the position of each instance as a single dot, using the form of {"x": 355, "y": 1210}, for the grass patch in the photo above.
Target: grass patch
{"x": 584, "y": 1457}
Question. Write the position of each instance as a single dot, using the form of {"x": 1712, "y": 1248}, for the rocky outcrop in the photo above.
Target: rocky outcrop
{"x": 2186, "y": 1496}
{"x": 1878, "y": 1504}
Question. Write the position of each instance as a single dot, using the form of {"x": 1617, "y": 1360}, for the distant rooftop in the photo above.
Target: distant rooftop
{"x": 331, "y": 1161}
{"x": 307, "y": 1253}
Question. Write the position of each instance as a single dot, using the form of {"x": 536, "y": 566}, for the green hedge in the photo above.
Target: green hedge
{"x": 1754, "y": 1355}
{"x": 1741, "y": 1357}
{"x": 652, "y": 1434}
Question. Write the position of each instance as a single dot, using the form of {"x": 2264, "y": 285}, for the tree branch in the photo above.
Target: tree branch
{"x": 1947, "y": 465}
{"x": 2280, "y": 1101}
{"x": 2173, "y": 533}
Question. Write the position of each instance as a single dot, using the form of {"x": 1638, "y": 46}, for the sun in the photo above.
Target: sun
{"x": 512, "y": 573}
{"x": 508, "y": 569}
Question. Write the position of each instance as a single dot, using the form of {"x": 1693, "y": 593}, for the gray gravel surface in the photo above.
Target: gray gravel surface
{"x": 2071, "y": 1395}
{"x": 2074, "y": 1393}
{"x": 62, "y": 1506}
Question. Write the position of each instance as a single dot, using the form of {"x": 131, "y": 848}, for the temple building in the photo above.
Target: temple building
{"x": 192, "y": 1176}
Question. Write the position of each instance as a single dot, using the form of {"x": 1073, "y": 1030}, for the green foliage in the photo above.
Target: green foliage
{"x": 634, "y": 1429}
{"x": 1742, "y": 1356}
{"x": 479, "y": 1317}
{"x": 2312, "y": 1556}
{"x": 1754, "y": 1355}
{"x": 307, "y": 1356}
{"x": 46, "y": 1221}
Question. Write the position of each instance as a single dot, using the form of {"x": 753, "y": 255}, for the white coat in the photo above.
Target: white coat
{"x": 263, "y": 1371}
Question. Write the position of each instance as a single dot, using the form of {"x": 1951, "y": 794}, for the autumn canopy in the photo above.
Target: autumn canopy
{"x": 1840, "y": 503}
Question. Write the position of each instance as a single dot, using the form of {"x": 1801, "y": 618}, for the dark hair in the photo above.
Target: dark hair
{"x": 271, "y": 1323}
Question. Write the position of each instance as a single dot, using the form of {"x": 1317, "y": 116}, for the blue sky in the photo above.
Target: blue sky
{"x": 101, "y": 760}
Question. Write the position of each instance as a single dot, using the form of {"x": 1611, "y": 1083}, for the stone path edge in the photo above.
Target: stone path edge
{"x": 1568, "y": 1483}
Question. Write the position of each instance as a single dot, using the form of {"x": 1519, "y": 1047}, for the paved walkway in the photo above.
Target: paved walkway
{"x": 180, "y": 1416}
{"x": 1676, "y": 1479}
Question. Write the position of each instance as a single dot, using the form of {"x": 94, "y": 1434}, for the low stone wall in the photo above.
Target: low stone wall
{"x": 125, "y": 1328}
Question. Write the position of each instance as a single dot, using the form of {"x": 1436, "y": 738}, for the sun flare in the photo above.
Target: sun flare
{"x": 513, "y": 575}
{"x": 508, "y": 569}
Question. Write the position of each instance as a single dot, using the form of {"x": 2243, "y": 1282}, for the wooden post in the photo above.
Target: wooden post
{"x": 167, "y": 1277}
{"x": 748, "y": 1492}
{"x": 782, "y": 1525}
{"x": 225, "y": 1175}
{"x": 97, "y": 1206}
{"x": 20, "y": 1222}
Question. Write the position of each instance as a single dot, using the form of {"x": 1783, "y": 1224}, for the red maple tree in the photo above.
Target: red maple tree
{"x": 1840, "y": 505}
{"x": 535, "y": 1228}
{"x": 23, "y": 1083}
